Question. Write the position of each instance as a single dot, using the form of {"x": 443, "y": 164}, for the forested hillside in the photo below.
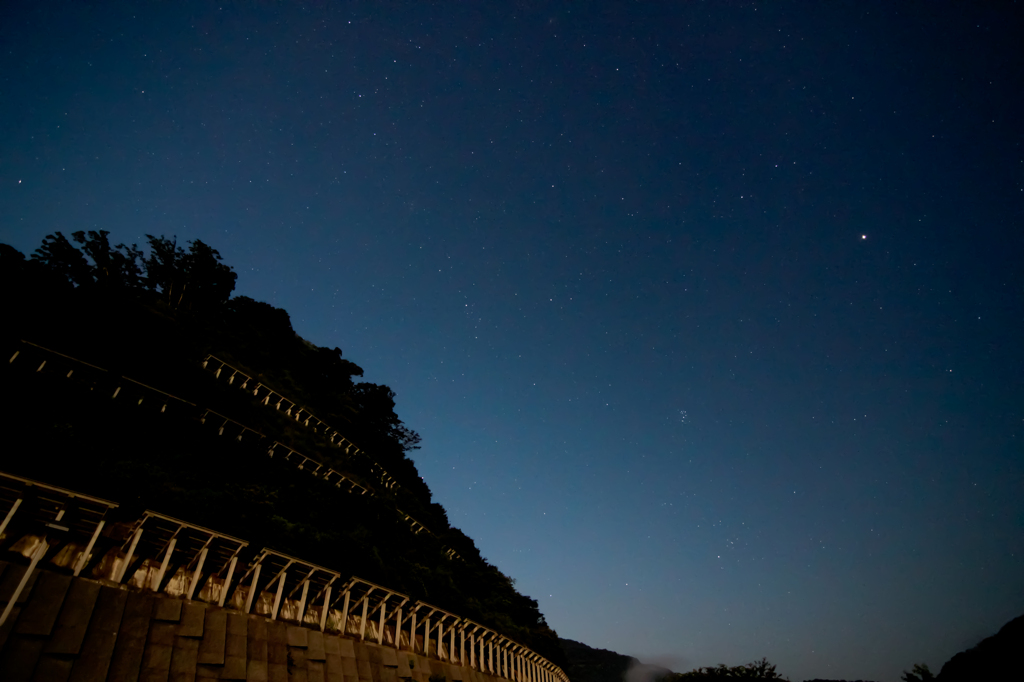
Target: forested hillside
{"x": 154, "y": 315}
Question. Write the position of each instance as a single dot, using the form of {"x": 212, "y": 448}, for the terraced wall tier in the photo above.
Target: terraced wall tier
{"x": 75, "y": 629}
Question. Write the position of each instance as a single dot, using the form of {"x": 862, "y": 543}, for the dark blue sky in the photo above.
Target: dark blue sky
{"x": 709, "y": 314}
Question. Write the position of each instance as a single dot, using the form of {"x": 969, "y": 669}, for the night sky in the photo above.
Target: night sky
{"x": 709, "y": 314}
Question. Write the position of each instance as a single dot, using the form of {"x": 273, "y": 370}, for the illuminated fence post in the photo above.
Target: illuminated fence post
{"x": 344, "y": 614}
{"x": 227, "y": 581}
{"x": 128, "y": 557}
{"x": 362, "y": 618}
{"x": 80, "y": 564}
{"x": 10, "y": 514}
{"x": 36, "y": 556}
{"x": 426, "y": 636}
{"x": 326, "y": 607}
{"x": 155, "y": 586}
{"x": 472, "y": 648}
{"x": 252, "y": 587}
{"x": 302, "y": 599}
{"x": 280, "y": 593}
{"x": 380, "y": 625}
{"x": 198, "y": 572}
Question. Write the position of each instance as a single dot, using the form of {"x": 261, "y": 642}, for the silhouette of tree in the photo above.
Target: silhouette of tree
{"x": 65, "y": 261}
{"x": 112, "y": 267}
{"x": 758, "y": 670}
{"x": 920, "y": 673}
{"x": 376, "y": 405}
{"x": 188, "y": 279}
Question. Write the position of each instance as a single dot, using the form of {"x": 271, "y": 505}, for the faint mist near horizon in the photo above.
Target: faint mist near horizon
{"x": 650, "y": 672}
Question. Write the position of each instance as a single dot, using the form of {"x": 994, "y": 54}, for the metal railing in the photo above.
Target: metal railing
{"x": 141, "y": 393}
{"x": 162, "y": 554}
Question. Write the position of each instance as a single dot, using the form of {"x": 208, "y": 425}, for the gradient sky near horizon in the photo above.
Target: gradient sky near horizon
{"x": 709, "y": 314}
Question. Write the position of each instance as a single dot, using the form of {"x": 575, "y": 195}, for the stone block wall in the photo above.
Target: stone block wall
{"x": 66, "y": 629}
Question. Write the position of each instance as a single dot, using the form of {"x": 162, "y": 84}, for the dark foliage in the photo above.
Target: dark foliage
{"x": 758, "y": 670}
{"x": 153, "y": 317}
{"x": 920, "y": 673}
{"x": 193, "y": 279}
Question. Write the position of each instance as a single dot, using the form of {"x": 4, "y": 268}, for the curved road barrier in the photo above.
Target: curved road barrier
{"x": 140, "y": 393}
{"x": 180, "y": 563}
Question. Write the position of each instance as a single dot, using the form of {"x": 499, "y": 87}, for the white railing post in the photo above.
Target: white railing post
{"x": 84, "y": 559}
{"x": 10, "y": 515}
{"x": 302, "y": 599}
{"x": 128, "y": 557}
{"x": 280, "y": 594}
{"x": 36, "y": 556}
{"x": 227, "y": 581}
{"x": 327, "y": 604}
{"x": 252, "y": 587}
{"x": 198, "y": 573}
{"x": 344, "y": 613}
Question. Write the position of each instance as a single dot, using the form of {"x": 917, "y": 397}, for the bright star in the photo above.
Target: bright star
{"x": 863, "y": 236}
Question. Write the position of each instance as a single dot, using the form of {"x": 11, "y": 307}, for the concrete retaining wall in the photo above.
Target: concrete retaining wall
{"x": 82, "y": 630}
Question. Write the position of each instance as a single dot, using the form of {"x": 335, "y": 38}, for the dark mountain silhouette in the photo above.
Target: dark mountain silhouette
{"x": 81, "y": 320}
{"x": 994, "y": 658}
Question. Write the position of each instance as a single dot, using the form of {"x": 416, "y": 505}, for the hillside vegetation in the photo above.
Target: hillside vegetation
{"x": 154, "y": 315}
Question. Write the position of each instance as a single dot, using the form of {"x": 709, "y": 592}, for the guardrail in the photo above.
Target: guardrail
{"x": 162, "y": 554}
{"x": 140, "y": 392}
{"x": 303, "y": 415}
{"x": 299, "y": 413}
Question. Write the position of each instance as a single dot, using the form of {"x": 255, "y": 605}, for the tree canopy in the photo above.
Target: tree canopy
{"x": 757, "y": 670}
